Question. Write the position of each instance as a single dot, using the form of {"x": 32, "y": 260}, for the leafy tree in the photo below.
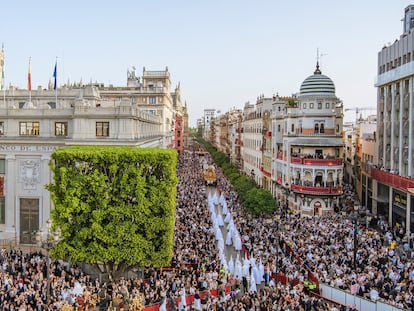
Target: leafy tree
{"x": 115, "y": 206}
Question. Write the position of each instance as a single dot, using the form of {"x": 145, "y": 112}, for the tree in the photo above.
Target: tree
{"x": 115, "y": 206}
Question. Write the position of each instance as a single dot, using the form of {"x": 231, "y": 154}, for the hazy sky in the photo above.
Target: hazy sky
{"x": 224, "y": 53}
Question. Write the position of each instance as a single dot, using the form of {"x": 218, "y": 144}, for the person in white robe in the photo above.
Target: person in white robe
{"x": 163, "y": 306}
{"x": 197, "y": 301}
{"x": 229, "y": 236}
{"x": 220, "y": 220}
{"x": 238, "y": 269}
{"x": 253, "y": 287}
{"x": 230, "y": 265}
{"x": 237, "y": 241}
{"x": 183, "y": 302}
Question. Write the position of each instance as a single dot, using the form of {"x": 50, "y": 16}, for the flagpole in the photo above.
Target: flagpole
{"x": 2, "y": 76}
{"x": 55, "y": 82}
{"x": 29, "y": 82}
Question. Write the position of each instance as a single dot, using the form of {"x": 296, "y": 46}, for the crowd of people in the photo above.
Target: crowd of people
{"x": 384, "y": 269}
{"x": 320, "y": 245}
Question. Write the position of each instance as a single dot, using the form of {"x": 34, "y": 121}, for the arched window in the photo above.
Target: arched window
{"x": 322, "y": 129}
{"x": 316, "y": 128}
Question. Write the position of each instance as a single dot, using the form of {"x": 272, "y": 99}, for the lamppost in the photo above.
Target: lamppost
{"x": 277, "y": 217}
{"x": 48, "y": 240}
{"x": 354, "y": 218}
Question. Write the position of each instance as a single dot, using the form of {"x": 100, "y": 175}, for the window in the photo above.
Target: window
{"x": 316, "y": 128}
{"x": 293, "y": 128}
{"x": 304, "y": 105}
{"x": 1, "y": 128}
{"x": 327, "y": 105}
{"x": 152, "y": 100}
{"x": 29, "y": 128}
{"x": 319, "y": 105}
{"x": 61, "y": 129}
{"x": 322, "y": 128}
{"x": 278, "y": 127}
{"x": 311, "y": 106}
{"x": 102, "y": 129}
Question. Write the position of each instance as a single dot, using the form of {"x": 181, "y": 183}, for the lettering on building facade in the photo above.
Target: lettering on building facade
{"x": 28, "y": 148}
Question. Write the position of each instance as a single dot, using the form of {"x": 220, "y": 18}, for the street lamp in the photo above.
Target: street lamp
{"x": 369, "y": 218}
{"x": 48, "y": 240}
{"x": 277, "y": 217}
{"x": 354, "y": 218}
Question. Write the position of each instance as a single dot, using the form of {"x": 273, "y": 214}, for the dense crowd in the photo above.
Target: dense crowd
{"x": 321, "y": 245}
{"x": 325, "y": 246}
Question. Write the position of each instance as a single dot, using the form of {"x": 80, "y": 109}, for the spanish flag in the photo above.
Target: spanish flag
{"x": 29, "y": 79}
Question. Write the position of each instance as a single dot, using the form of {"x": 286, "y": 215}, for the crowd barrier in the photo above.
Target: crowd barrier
{"x": 189, "y": 299}
{"x": 347, "y": 299}
{"x": 311, "y": 275}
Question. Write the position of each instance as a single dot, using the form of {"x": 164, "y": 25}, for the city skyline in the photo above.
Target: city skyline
{"x": 223, "y": 54}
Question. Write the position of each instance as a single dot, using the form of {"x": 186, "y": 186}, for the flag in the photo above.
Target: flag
{"x": 29, "y": 79}
{"x": 55, "y": 76}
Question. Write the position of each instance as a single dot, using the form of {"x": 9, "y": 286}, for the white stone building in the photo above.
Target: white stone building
{"x": 140, "y": 115}
{"x": 310, "y": 169}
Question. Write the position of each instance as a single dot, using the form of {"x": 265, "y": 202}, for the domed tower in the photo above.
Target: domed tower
{"x": 313, "y": 138}
{"x": 317, "y": 85}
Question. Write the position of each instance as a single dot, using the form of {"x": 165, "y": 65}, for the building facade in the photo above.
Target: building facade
{"x": 312, "y": 147}
{"x": 252, "y": 140}
{"x": 138, "y": 115}
{"x": 393, "y": 176}
{"x": 366, "y": 155}
{"x": 209, "y": 114}
{"x": 291, "y": 146}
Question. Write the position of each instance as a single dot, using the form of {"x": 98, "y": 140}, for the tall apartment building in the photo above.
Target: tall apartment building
{"x": 393, "y": 176}
{"x": 141, "y": 114}
{"x": 209, "y": 114}
{"x": 252, "y": 139}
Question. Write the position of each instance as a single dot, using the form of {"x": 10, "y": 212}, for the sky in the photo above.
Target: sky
{"x": 223, "y": 53}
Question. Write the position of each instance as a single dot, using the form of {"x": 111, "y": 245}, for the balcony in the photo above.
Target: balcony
{"x": 316, "y": 190}
{"x": 313, "y": 161}
{"x": 265, "y": 172}
{"x": 392, "y": 180}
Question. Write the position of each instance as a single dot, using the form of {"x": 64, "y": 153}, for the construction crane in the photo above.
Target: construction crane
{"x": 357, "y": 110}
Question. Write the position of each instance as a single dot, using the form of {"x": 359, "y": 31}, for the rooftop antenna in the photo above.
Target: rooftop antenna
{"x": 319, "y": 56}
